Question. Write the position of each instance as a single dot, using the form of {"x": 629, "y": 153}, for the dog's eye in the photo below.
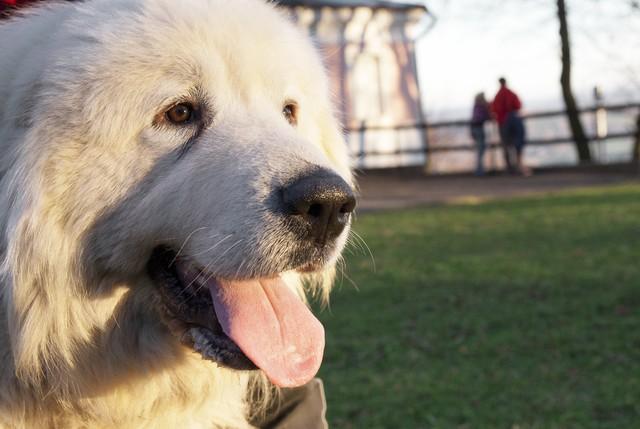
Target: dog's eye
{"x": 180, "y": 114}
{"x": 290, "y": 112}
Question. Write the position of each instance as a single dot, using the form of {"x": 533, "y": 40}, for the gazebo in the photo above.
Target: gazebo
{"x": 369, "y": 50}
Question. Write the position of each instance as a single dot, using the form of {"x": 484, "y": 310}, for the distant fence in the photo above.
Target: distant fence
{"x": 544, "y": 129}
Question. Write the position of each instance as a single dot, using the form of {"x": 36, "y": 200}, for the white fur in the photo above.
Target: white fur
{"x": 90, "y": 185}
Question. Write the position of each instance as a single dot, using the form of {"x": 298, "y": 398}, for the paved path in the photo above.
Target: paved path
{"x": 383, "y": 190}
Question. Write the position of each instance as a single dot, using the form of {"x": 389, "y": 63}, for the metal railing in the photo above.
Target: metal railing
{"x": 430, "y": 147}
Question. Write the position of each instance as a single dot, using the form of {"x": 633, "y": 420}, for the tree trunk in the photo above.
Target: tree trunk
{"x": 577, "y": 130}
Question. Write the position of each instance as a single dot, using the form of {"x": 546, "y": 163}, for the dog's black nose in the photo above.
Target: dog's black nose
{"x": 320, "y": 205}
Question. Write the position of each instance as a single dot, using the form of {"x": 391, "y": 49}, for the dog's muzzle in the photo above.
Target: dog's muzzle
{"x": 253, "y": 319}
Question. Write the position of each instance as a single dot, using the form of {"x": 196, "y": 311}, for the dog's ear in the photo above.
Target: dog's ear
{"x": 27, "y": 303}
{"x": 44, "y": 313}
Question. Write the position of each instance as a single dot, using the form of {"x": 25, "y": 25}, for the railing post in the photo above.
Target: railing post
{"x": 424, "y": 130}
{"x": 601, "y": 126}
{"x": 636, "y": 145}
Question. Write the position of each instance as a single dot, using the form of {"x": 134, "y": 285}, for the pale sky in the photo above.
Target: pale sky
{"x": 475, "y": 41}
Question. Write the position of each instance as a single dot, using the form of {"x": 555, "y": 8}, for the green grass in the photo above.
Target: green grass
{"x": 512, "y": 314}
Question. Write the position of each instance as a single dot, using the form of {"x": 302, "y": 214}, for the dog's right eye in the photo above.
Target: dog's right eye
{"x": 290, "y": 112}
{"x": 181, "y": 114}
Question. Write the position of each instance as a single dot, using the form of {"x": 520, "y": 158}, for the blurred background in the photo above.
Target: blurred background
{"x": 405, "y": 74}
{"x": 484, "y": 298}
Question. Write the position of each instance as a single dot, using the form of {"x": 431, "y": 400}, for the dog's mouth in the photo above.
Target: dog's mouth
{"x": 240, "y": 324}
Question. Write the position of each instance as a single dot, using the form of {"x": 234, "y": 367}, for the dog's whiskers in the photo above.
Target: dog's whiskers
{"x": 212, "y": 262}
{"x": 359, "y": 238}
{"x": 184, "y": 243}
{"x": 343, "y": 273}
{"x": 239, "y": 269}
{"x": 357, "y": 245}
{"x": 202, "y": 283}
{"x": 215, "y": 245}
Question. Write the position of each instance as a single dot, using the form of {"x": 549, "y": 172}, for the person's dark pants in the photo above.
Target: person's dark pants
{"x": 478, "y": 135}
{"x": 512, "y": 134}
{"x": 506, "y": 149}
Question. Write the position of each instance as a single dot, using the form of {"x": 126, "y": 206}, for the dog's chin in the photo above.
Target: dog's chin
{"x": 189, "y": 308}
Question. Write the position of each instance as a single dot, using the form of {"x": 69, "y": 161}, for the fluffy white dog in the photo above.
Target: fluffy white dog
{"x": 172, "y": 173}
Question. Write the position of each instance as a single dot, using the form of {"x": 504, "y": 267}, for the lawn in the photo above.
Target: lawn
{"x": 511, "y": 314}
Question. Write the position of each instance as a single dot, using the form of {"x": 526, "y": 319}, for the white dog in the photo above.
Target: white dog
{"x": 171, "y": 174}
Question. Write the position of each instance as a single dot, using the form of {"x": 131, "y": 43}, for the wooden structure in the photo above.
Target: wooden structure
{"x": 369, "y": 50}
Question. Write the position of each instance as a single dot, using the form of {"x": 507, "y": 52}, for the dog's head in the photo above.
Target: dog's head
{"x": 187, "y": 149}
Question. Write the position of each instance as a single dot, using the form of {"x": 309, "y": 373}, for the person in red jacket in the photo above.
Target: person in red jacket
{"x": 506, "y": 106}
{"x": 13, "y": 3}
{"x": 6, "y": 6}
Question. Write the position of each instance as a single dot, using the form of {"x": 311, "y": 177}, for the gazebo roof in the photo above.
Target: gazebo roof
{"x": 374, "y": 4}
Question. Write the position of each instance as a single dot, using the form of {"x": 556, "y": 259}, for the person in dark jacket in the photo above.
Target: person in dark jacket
{"x": 506, "y": 107}
{"x": 481, "y": 114}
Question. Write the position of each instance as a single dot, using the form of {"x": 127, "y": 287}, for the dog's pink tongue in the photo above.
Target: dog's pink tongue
{"x": 272, "y": 326}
